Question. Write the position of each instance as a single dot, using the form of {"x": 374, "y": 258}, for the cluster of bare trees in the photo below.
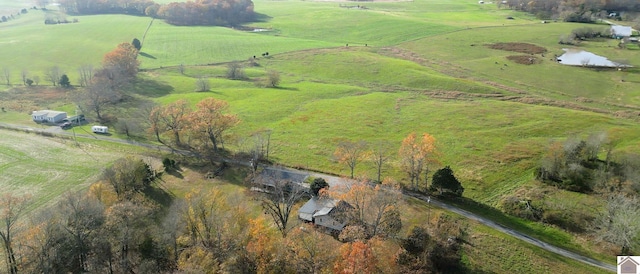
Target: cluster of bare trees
{"x": 209, "y": 13}
{"x": 579, "y": 10}
{"x": 417, "y": 155}
{"x": 103, "y": 86}
{"x": 203, "y": 129}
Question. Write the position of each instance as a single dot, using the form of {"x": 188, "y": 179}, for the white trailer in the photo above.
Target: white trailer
{"x": 100, "y": 129}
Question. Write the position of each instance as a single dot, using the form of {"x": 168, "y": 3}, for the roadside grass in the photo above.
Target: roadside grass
{"x": 543, "y": 232}
{"x": 490, "y": 251}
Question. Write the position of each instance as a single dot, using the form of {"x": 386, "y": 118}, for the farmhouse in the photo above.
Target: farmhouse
{"x": 326, "y": 213}
{"x": 48, "y": 116}
{"x": 620, "y": 32}
{"x": 270, "y": 177}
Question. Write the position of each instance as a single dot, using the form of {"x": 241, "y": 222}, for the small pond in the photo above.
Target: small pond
{"x": 575, "y": 57}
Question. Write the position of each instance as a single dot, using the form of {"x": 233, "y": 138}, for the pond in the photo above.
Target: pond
{"x": 576, "y": 57}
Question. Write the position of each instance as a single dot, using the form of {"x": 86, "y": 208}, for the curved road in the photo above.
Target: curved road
{"x": 335, "y": 181}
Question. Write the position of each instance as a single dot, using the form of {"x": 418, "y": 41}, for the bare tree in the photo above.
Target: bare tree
{"x": 86, "y": 75}
{"x": 53, "y": 75}
{"x": 379, "y": 155}
{"x": 620, "y": 223}
{"x": 235, "y": 71}
{"x": 24, "y": 74}
{"x": 273, "y": 78}
{"x": 98, "y": 96}
{"x": 261, "y": 146}
{"x": 350, "y": 153}
{"x": 202, "y": 84}
{"x": 279, "y": 201}
{"x": 84, "y": 217}
{"x": 11, "y": 208}
{"x": 6, "y": 74}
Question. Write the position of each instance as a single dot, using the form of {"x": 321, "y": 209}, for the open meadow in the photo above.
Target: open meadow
{"x": 46, "y": 168}
{"x": 350, "y": 71}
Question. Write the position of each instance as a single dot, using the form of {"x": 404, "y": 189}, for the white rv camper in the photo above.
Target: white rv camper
{"x": 100, "y": 129}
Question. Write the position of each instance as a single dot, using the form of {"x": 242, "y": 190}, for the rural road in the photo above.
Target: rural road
{"x": 337, "y": 181}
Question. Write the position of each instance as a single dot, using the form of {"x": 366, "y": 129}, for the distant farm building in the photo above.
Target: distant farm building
{"x": 48, "y": 116}
{"x": 620, "y": 32}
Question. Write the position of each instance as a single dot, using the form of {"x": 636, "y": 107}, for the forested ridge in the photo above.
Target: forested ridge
{"x": 200, "y": 12}
{"x": 570, "y": 9}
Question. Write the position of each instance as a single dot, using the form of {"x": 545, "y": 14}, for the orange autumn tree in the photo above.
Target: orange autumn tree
{"x": 355, "y": 257}
{"x": 209, "y": 123}
{"x": 262, "y": 245}
{"x": 122, "y": 61}
{"x": 310, "y": 251}
{"x": 417, "y": 154}
{"x": 373, "y": 207}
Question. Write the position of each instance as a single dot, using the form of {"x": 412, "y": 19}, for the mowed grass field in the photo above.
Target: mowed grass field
{"x": 46, "y": 168}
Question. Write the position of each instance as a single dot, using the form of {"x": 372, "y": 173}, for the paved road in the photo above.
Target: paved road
{"x": 339, "y": 181}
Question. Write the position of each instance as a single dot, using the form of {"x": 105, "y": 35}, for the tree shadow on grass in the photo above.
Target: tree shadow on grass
{"x": 144, "y": 54}
{"x": 261, "y": 17}
{"x": 159, "y": 195}
{"x": 150, "y": 88}
{"x": 285, "y": 88}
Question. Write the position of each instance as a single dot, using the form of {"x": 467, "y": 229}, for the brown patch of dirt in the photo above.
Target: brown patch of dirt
{"x": 27, "y": 99}
{"x": 524, "y": 59}
{"x": 519, "y": 47}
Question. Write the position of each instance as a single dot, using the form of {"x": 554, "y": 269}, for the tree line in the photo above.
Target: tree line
{"x": 573, "y": 11}
{"x": 200, "y": 12}
{"x": 418, "y": 157}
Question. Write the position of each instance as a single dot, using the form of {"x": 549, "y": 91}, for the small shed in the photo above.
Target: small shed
{"x": 620, "y": 32}
{"x": 48, "y": 116}
{"x": 100, "y": 129}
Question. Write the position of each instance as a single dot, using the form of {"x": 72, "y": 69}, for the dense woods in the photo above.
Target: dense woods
{"x": 200, "y": 12}
{"x": 573, "y": 10}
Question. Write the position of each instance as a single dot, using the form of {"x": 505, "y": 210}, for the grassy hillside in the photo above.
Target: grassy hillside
{"x": 422, "y": 66}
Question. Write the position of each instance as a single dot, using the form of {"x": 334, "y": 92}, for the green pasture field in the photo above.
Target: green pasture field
{"x": 46, "y": 168}
{"x": 466, "y": 49}
{"x": 30, "y": 45}
{"x": 403, "y": 71}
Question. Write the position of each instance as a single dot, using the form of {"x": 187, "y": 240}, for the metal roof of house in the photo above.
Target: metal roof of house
{"x": 316, "y": 207}
{"x": 47, "y": 112}
{"x": 624, "y": 31}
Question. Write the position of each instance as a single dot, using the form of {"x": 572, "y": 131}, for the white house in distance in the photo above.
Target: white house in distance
{"x": 49, "y": 116}
{"x": 322, "y": 212}
{"x": 620, "y": 32}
